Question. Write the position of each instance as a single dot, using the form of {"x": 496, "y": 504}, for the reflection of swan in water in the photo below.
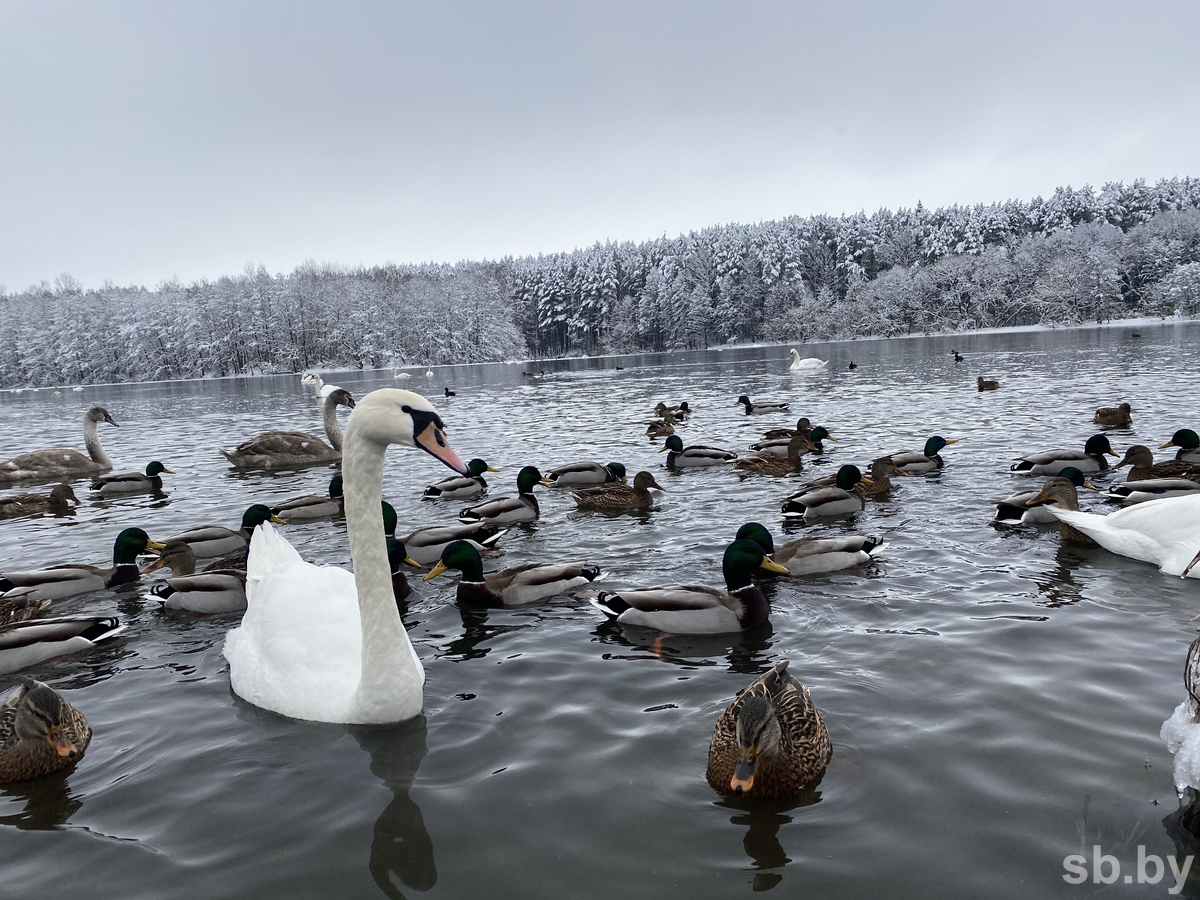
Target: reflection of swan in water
{"x": 762, "y": 819}
{"x": 401, "y": 850}
{"x": 48, "y": 802}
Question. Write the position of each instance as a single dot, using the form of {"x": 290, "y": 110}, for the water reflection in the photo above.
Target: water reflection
{"x": 1059, "y": 587}
{"x": 747, "y": 652}
{"x": 48, "y": 802}
{"x": 401, "y": 849}
{"x": 476, "y": 630}
{"x": 763, "y": 819}
{"x": 1183, "y": 828}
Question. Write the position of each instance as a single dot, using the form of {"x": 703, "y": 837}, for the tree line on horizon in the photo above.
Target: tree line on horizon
{"x": 1077, "y": 256}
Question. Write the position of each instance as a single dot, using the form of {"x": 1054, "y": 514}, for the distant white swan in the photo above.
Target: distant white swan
{"x": 323, "y": 390}
{"x": 317, "y": 642}
{"x": 396, "y": 373}
{"x": 429, "y": 373}
{"x": 811, "y": 364}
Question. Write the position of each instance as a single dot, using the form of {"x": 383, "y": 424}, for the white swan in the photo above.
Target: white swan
{"x": 810, "y": 364}
{"x": 323, "y": 390}
{"x": 318, "y": 643}
{"x": 1164, "y": 532}
{"x": 396, "y": 373}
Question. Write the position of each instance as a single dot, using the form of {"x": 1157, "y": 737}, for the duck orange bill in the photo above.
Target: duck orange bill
{"x": 432, "y": 440}
{"x": 743, "y": 776}
{"x": 61, "y": 746}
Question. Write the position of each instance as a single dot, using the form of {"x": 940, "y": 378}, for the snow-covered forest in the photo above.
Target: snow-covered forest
{"x": 1077, "y": 256}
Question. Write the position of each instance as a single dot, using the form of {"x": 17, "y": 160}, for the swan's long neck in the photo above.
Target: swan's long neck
{"x": 91, "y": 440}
{"x": 390, "y": 685}
{"x": 333, "y": 430}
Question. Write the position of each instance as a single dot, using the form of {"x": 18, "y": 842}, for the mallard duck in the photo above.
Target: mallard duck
{"x": 1164, "y": 532}
{"x": 673, "y": 413}
{"x": 766, "y": 462}
{"x": 1188, "y": 443}
{"x": 770, "y": 742}
{"x": 698, "y": 609}
{"x": 288, "y": 449}
{"x": 521, "y": 508}
{"x": 1143, "y": 466}
{"x": 1154, "y": 489}
{"x": 986, "y": 384}
{"x": 318, "y": 642}
{"x": 925, "y": 461}
{"x": 514, "y": 586}
{"x": 209, "y": 541}
{"x": 21, "y": 609}
{"x": 803, "y": 426}
{"x": 425, "y": 545}
{"x": 619, "y": 496}
{"x": 659, "y": 429}
{"x": 1052, "y": 462}
{"x": 397, "y": 557}
{"x": 57, "y": 582}
{"x": 1114, "y": 416}
{"x": 25, "y": 644}
{"x": 679, "y": 457}
{"x": 312, "y": 506}
{"x": 756, "y": 409}
{"x": 1014, "y": 510}
{"x": 61, "y": 462}
{"x": 1062, "y": 494}
{"x": 958, "y": 357}
{"x": 582, "y": 474}
{"x": 212, "y": 591}
{"x": 876, "y": 485}
{"x": 59, "y": 500}
{"x": 811, "y": 556}
{"x": 779, "y": 445}
{"x": 461, "y": 487}
{"x": 844, "y": 498}
{"x": 132, "y": 482}
{"x": 40, "y": 732}
{"x": 808, "y": 364}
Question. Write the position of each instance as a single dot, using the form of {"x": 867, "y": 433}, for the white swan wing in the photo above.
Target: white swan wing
{"x": 1164, "y": 532}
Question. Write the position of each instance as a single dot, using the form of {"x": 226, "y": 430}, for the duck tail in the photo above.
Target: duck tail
{"x": 609, "y": 603}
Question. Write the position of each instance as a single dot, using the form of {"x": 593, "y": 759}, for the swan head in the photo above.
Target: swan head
{"x": 99, "y": 414}
{"x": 393, "y": 416}
{"x": 794, "y": 354}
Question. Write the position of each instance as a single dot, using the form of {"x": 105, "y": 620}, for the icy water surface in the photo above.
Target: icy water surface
{"x": 994, "y": 700}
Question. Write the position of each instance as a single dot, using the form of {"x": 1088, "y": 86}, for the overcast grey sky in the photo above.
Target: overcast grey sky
{"x": 141, "y": 141}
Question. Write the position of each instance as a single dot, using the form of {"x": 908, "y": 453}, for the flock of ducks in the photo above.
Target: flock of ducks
{"x": 361, "y": 668}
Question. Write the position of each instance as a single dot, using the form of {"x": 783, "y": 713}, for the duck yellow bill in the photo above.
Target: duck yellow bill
{"x": 154, "y": 545}
{"x": 433, "y": 441}
{"x": 955, "y": 441}
{"x": 1166, "y": 445}
{"x": 167, "y": 471}
{"x": 436, "y": 571}
{"x": 278, "y": 521}
{"x": 409, "y": 561}
{"x": 771, "y": 566}
{"x": 492, "y": 469}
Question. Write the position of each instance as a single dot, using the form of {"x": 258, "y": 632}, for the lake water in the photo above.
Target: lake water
{"x": 994, "y": 699}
